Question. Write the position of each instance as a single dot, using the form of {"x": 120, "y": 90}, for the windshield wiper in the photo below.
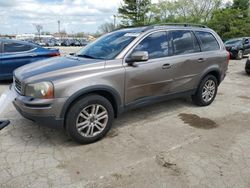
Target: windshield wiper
{"x": 86, "y": 56}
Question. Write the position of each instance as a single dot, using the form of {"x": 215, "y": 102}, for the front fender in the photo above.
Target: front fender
{"x": 91, "y": 89}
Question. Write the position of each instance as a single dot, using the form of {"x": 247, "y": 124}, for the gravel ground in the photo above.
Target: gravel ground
{"x": 170, "y": 144}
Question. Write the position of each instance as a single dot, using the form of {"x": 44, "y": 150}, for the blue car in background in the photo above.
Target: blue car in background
{"x": 14, "y": 53}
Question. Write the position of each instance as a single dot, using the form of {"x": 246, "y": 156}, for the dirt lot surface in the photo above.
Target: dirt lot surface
{"x": 171, "y": 144}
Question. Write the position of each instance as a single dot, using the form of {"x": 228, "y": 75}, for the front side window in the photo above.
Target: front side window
{"x": 208, "y": 41}
{"x": 184, "y": 42}
{"x": 16, "y": 47}
{"x": 155, "y": 44}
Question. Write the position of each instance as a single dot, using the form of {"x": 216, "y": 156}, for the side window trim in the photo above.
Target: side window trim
{"x": 170, "y": 47}
{"x": 198, "y": 41}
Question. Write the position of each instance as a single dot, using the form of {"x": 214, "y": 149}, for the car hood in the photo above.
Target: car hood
{"x": 230, "y": 45}
{"x": 56, "y": 67}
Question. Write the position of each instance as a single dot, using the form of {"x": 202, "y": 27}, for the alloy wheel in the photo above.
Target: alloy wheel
{"x": 92, "y": 120}
{"x": 208, "y": 91}
{"x": 240, "y": 54}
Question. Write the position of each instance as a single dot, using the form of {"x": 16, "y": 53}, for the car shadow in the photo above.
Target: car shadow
{"x": 243, "y": 73}
{"x": 44, "y": 135}
{"x": 149, "y": 112}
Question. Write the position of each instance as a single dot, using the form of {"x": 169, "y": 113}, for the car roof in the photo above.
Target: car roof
{"x": 18, "y": 41}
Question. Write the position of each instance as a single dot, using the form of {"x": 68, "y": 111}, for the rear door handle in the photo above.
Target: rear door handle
{"x": 166, "y": 66}
{"x": 200, "y": 60}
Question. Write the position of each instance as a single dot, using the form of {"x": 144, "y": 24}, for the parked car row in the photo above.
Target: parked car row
{"x": 238, "y": 47}
{"x": 60, "y": 42}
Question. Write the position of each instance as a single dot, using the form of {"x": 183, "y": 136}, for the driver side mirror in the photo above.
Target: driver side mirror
{"x": 137, "y": 57}
{"x": 246, "y": 41}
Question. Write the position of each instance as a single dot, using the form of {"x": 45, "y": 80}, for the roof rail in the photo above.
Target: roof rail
{"x": 174, "y": 24}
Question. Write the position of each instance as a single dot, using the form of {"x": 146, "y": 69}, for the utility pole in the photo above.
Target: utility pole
{"x": 114, "y": 20}
{"x": 59, "y": 31}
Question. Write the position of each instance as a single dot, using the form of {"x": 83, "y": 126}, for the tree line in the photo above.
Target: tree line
{"x": 229, "y": 20}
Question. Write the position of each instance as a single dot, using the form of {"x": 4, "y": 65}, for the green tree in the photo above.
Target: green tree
{"x": 229, "y": 23}
{"x": 193, "y": 11}
{"x": 241, "y": 4}
{"x": 134, "y": 12}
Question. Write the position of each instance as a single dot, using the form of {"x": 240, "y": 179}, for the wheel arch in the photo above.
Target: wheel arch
{"x": 214, "y": 72}
{"x": 105, "y": 91}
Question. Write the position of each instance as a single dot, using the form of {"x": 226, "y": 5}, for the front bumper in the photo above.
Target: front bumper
{"x": 42, "y": 111}
{"x": 233, "y": 53}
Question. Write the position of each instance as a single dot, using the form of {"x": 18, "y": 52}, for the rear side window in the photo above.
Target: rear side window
{"x": 155, "y": 44}
{"x": 208, "y": 41}
{"x": 184, "y": 42}
{"x": 16, "y": 47}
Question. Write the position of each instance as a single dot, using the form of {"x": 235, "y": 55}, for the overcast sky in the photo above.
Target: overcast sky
{"x": 18, "y": 16}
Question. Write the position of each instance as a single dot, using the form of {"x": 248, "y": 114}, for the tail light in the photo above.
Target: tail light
{"x": 54, "y": 54}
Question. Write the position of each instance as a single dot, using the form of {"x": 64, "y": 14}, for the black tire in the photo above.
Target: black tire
{"x": 73, "y": 116}
{"x": 239, "y": 55}
{"x": 197, "y": 97}
{"x": 248, "y": 72}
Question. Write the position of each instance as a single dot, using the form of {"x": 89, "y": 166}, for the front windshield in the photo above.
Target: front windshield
{"x": 235, "y": 41}
{"x": 108, "y": 46}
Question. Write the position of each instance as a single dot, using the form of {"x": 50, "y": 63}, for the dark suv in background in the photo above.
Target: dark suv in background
{"x": 238, "y": 47}
{"x": 121, "y": 70}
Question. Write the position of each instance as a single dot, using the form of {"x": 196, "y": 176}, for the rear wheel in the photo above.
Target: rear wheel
{"x": 206, "y": 91}
{"x": 89, "y": 119}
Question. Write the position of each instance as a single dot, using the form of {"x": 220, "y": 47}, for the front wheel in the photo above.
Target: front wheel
{"x": 206, "y": 91}
{"x": 89, "y": 119}
{"x": 239, "y": 55}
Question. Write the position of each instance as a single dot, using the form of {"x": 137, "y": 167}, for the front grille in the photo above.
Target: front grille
{"x": 18, "y": 85}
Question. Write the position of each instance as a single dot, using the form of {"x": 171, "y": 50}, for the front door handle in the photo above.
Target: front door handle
{"x": 166, "y": 66}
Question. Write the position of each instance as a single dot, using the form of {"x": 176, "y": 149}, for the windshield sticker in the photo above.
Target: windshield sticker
{"x": 132, "y": 34}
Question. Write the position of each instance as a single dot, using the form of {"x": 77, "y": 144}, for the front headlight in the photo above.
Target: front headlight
{"x": 42, "y": 90}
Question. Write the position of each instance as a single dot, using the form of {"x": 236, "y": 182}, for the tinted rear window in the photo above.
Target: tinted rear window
{"x": 16, "y": 47}
{"x": 208, "y": 41}
{"x": 184, "y": 42}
